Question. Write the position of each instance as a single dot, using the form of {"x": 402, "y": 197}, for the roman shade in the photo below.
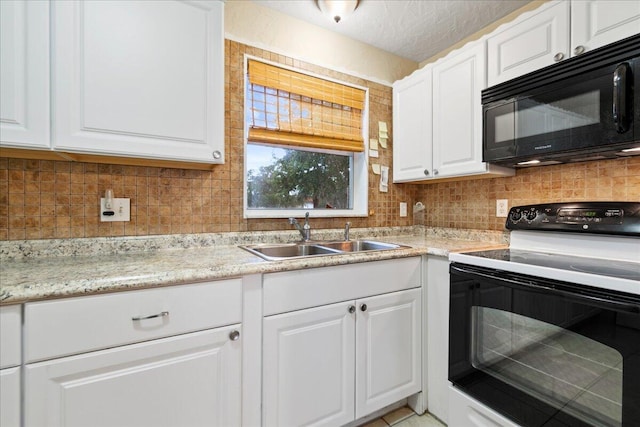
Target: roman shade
{"x": 295, "y": 109}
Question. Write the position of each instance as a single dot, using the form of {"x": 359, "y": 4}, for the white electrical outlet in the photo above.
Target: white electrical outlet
{"x": 120, "y": 209}
{"x": 502, "y": 208}
{"x": 403, "y": 209}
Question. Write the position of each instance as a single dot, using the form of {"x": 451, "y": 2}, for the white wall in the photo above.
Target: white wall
{"x": 255, "y": 25}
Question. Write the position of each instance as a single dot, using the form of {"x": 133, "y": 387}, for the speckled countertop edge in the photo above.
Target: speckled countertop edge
{"x": 46, "y": 269}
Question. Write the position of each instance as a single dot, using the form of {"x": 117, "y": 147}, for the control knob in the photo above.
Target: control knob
{"x": 531, "y": 215}
{"x": 516, "y": 216}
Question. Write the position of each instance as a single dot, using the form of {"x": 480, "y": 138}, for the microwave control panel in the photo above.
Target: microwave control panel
{"x": 587, "y": 217}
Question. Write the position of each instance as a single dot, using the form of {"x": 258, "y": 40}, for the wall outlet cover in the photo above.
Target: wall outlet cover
{"x": 502, "y": 208}
{"x": 120, "y": 210}
{"x": 403, "y": 209}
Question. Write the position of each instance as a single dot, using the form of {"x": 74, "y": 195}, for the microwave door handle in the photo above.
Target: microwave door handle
{"x": 581, "y": 297}
{"x": 620, "y": 117}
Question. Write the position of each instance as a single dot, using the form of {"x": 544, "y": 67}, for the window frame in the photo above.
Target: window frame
{"x": 360, "y": 183}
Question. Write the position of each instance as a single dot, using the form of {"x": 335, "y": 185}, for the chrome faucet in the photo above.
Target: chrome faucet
{"x": 305, "y": 230}
{"x": 346, "y": 231}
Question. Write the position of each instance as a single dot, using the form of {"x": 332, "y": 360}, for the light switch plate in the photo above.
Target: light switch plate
{"x": 502, "y": 208}
{"x": 121, "y": 210}
{"x": 403, "y": 209}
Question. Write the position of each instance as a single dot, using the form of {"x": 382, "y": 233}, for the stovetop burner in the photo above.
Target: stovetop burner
{"x": 602, "y": 267}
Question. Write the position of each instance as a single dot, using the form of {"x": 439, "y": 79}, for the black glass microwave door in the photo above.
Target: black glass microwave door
{"x": 576, "y": 116}
{"x": 544, "y": 358}
{"x": 499, "y": 131}
{"x": 565, "y": 116}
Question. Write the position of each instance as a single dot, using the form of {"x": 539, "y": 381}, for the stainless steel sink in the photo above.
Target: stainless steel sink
{"x": 359, "y": 245}
{"x": 277, "y": 252}
{"x": 288, "y": 251}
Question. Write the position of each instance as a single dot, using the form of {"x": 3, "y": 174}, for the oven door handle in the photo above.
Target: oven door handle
{"x": 582, "y": 297}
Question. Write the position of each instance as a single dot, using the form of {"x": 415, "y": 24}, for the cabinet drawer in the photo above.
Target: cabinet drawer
{"x": 10, "y": 324}
{"x": 295, "y": 290}
{"x": 76, "y": 325}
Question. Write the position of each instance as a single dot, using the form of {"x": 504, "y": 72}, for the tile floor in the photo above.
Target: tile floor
{"x": 405, "y": 417}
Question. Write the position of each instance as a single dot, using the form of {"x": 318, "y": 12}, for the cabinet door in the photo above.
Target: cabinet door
{"x": 140, "y": 79}
{"x": 187, "y": 380}
{"x": 24, "y": 74}
{"x": 388, "y": 350}
{"x": 412, "y": 120}
{"x": 530, "y": 44}
{"x": 308, "y": 367}
{"x": 10, "y": 397}
{"x": 596, "y": 23}
{"x": 457, "y": 112}
{"x": 10, "y": 336}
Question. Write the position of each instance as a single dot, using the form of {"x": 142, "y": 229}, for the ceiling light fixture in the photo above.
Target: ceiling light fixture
{"x": 337, "y": 9}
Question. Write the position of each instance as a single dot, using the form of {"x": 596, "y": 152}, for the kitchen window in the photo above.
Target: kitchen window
{"x": 305, "y": 144}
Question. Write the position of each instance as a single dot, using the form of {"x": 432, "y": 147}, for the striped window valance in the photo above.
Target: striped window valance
{"x": 292, "y": 108}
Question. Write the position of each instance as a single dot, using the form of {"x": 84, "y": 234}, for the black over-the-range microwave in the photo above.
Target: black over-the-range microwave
{"x": 585, "y": 108}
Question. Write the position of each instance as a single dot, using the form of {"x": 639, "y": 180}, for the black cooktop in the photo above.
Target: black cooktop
{"x": 620, "y": 269}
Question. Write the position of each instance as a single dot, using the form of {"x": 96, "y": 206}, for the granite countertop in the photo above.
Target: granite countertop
{"x": 38, "y": 270}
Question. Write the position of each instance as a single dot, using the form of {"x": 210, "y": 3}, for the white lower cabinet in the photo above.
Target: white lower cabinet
{"x": 188, "y": 380}
{"x": 317, "y": 359}
{"x": 157, "y": 357}
{"x": 437, "y": 321}
{"x": 388, "y": 349}
{"x": 10, "y": 397}
{"x": 309, "y": 370}
{"x": 10, "y": 357}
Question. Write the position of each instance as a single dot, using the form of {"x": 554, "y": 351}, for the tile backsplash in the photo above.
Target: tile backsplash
{"x": 56, "y": 199}
{"x": 472, "y": 204}
{"x": 42, "y": 199}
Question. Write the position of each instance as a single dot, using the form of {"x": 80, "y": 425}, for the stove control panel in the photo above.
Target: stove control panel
{"x": 586, "y": 217}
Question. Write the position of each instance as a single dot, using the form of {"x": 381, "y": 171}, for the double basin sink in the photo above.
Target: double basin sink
{"x": 282, "y": 251}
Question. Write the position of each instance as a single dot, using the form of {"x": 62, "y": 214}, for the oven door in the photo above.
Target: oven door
{"x": 545, "y": 353}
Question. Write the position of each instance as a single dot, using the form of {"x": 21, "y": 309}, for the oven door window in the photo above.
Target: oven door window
{"x": 568, "y": 371}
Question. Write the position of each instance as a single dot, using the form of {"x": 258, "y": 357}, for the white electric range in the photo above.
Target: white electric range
{"x": 547, "y": 332}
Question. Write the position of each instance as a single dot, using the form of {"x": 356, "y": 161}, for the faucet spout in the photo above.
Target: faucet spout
{"x": 305, "y": 230}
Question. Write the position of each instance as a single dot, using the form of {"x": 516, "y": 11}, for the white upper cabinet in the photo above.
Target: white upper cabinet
{"x": 557, "y": 31}
{"x": 597, "y": 23}
{"x": 24, "y": 74}
{"x": 437, "y": 120}
{"x": 457, "y": 112}
{"x": 412, "y": 124}
{"x": 139, "y": 79}
{"x": 533, "y": 43}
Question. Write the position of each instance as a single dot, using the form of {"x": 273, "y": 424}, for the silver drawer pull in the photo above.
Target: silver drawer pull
{"x": 153, "y": 316}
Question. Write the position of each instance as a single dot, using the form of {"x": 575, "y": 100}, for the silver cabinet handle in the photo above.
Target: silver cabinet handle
{"x": 435, "y": 172}
{"x": 352, "y": 309}
{"x": 363, "y": 307}
{"x": 234, "y": 335}
{"x": 426, "y": 172}
{"x": 153, "y": 316}
{"x": 217, "y": 154}
{"x": 558, "y": 56}
{"x": 579, "y": 50}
